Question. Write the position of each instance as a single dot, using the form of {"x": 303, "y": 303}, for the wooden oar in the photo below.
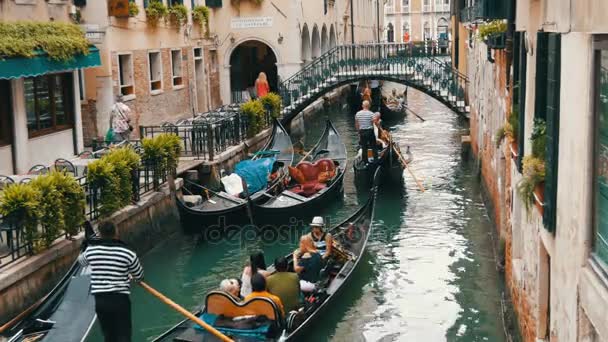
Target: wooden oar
{"x": 411, "y": 111}
{"x": 408, "y": 168}
{"x": 185, "y": 312}
{"x": 20, "y": 316}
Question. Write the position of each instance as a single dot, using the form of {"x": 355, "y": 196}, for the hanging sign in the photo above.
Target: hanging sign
{"x": 250, "y": 22}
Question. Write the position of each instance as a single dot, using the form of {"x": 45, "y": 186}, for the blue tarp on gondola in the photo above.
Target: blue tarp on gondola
{"x": 255, "y": 172}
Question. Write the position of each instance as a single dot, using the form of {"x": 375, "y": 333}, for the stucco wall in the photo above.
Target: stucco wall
{"x": 6, "y": 160}
{"x": 12, "y": 10}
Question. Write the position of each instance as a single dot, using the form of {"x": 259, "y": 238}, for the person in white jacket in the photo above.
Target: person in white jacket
{"x": 120, "y": 120}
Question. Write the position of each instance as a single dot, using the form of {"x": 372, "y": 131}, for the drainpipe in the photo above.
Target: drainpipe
{"x": 352, "y": 23}
{"x": 378, "y": 21}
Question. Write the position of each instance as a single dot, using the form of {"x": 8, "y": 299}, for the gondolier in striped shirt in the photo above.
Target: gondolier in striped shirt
{"x": 364, "y": 123}
{"x": 113, "y": 265}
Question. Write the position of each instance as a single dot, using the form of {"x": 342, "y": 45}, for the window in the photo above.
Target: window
{"x": 49, "y": 103}
{"x": 405, "y": 6}
{"x": 125, "y": 74}
{"x": 176, "y": 67}
{"x": 389, "y": 6}
{"x": 548, "y": 61}
{"x": 156, "y": 71}
{"x": 600, "y": 247}
{"x": 213, "y": 55}
{"x": 427, "y": 6}
{"x": 5, "y": 113}
{"x": 427, "y": 31}
{"x": 175, "y": 2}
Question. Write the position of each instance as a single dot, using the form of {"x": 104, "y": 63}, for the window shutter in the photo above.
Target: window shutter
{"x": 540, "y": 103}
{"x": 516, "y": 62}
{"x": 213, "y": 3}
{"x": 552, "y": 119}
{"x": 523, "y": 67}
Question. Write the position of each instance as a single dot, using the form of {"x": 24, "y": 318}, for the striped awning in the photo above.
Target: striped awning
{"x": 19, "y": 67}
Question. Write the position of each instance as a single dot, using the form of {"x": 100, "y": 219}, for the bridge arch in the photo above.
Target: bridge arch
{"x": 332, "y": 37}
{"x": 305, "y": 50}
{"x": 315, "y": 42}
{"x": 298, "y": 108}
{"x": 324, "y": 39}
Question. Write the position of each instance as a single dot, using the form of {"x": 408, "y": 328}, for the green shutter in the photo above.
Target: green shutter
{"x": 552, "y": 118}
{"x": 213, "y": 3}
{"x": 523, "y": 66}
{"x": 516, "y": 58}
{"x": 540, "y": 103}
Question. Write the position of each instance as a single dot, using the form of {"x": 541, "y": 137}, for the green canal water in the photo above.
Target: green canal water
{"x": 429, "y": 273}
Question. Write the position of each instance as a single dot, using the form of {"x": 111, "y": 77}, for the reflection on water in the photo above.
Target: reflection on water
{"x": 429, "y": 273}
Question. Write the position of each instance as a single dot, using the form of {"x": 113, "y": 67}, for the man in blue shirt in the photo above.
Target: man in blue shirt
{"x": 364, "y": 123}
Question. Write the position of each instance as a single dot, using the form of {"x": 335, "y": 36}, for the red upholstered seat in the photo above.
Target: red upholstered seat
{"x": 311, "y": 172}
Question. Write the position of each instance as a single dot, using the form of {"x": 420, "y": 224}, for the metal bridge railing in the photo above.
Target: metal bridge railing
{"x": 409, "y": 63}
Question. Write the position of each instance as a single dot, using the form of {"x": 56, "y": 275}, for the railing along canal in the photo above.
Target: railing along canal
{"x": 147, "y": 178}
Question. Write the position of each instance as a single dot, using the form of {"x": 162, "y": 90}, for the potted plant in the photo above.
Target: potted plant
{"x": 155, "y": 11}
{"x": 200, "y": 15}
{"x": 133, "y": 9}
{"x": 177, "y": 15}
{"x": 533, "y": 175}
{"x": 493, "y": 33}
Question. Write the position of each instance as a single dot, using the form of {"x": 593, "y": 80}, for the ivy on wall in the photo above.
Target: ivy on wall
{"x": 61, "y": 41}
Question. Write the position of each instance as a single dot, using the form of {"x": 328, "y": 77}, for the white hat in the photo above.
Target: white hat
{"x": 317, "y": 221}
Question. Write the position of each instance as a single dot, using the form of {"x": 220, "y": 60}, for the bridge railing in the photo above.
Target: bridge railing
{"x": 403, "y": 62}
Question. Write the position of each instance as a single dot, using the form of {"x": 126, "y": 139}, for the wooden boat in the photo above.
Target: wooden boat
{"x": 351, "y": 238}
{"x": 201, "y": 207}
{"x": 393, "y": 111}
{"x": 328, "y": 155}
{"x": 67, "y": 313}
{"x": 388, "y": 159}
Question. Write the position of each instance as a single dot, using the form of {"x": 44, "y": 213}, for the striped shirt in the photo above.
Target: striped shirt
{"x": 364, "y": 119}
{"x": 111, "y": 263}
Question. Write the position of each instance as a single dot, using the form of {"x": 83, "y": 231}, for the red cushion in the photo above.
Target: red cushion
{"x": 307, "y": 189}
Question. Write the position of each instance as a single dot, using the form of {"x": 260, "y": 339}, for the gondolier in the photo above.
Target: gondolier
{"x": 364, "y": 123}
{"x": 113, "y": 265}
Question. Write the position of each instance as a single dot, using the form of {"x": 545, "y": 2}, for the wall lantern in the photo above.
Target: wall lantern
{"x": 280, "y": 39}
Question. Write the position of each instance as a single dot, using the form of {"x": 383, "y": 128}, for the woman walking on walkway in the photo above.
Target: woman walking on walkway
{"x": 261, "y": 85}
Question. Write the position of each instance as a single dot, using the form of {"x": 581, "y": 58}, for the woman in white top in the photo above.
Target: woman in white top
{"x": 256, "y": 264}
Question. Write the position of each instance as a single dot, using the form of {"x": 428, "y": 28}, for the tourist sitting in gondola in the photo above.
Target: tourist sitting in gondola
{"x": 322, "y": 240}
{"x": 258, "y": 286}
{"x": 232, "y": 287}
{"x": 255, "y": 265}
{"x": 284, "y": 284}
{"x": 307, "y": 263}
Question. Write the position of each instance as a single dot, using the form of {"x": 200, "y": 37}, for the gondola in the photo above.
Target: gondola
{"x": 351, "y": 236}
{"x": 66, "y": 314}
{"x": 200, "y": 207}
{"x": 309, "y": 192}
{"x": 388, "y": 158}
{"x": 393, "y": 111}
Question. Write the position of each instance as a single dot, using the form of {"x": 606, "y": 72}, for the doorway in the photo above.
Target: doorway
{"x": 199, "y": 77}
{"x": 246, "y": 62}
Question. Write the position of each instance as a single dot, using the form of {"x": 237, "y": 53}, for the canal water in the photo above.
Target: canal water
{"x": 429, "y": 273}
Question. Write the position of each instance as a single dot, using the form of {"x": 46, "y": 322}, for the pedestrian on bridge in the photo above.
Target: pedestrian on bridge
{"x": 364, "y": 123}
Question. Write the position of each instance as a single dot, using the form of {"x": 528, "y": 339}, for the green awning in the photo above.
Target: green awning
{"x": 41, "y": 64}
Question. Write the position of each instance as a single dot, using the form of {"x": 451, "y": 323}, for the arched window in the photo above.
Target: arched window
{"x": 442, "y": 28}
{"x": 390, "y": 33}
{"x": 406, "y": 33}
